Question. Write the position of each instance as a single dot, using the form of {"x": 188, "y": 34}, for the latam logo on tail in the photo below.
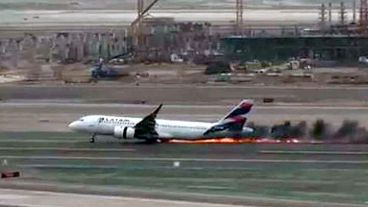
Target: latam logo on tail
{"x": 152, "y": 129}
{"x": 243, "y": 109}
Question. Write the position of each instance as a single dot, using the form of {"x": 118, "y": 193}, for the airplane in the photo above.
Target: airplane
{"x": 152, "y": 130}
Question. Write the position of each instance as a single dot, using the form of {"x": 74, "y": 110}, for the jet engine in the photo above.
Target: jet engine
{"x": 124, "y": 132}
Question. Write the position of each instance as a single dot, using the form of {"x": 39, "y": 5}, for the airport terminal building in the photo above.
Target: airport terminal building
{"x": 343, "y": 49}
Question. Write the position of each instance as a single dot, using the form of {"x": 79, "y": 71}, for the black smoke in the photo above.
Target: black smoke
{"x": 320, "y": 130}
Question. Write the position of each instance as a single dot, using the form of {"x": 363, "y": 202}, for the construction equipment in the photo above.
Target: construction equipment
{"x": 5, "y": 175}
{"x": 101, "y": 71}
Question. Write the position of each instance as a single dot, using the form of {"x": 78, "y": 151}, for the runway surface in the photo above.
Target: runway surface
{"x": 183, "y": 94}
{"x": 25, "y": 198}
{"x": 51, "y": 116}
{"x": 254, "y": 174}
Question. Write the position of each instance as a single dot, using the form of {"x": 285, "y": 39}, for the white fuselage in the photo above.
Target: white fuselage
{"x": 166, "y": 129}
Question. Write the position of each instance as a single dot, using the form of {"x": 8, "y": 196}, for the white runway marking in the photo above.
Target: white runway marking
{"x": 312, "y": 152}
{"x": 42, "y": 141}
{"x": 207, "y": 187}
{"x": 185, "y": 159}
{"x": 11, "y": 197}
{"x": 115, "y": 167}
{"x": 65, "y": 149}
{"x": 47, "y": 199}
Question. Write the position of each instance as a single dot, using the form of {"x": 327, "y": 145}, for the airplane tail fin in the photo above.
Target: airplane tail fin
{"x": 234, "y": 120}
{"x": 239, "y": 111}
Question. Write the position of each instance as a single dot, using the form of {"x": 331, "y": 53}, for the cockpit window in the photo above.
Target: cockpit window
{"x": 82, "y": 120}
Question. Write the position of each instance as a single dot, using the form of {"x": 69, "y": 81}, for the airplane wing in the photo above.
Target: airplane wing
{"x": 145, "y": 129}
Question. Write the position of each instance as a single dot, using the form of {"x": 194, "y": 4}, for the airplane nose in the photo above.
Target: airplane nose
{"x": 73, "y": 125}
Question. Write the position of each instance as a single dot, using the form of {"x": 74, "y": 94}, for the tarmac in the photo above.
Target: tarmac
{"x": 26, "y": 198}
{"x": 51, "y": 116}
{"x": 183, "y": 93}
{"x": 35, "y": 140}
{"x": 123, "y": 173}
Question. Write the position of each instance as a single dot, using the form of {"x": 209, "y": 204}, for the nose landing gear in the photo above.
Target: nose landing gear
{"x": 92, "y": 140}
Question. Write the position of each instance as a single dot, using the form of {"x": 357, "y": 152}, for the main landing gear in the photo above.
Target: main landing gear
{"x": 92, "y": 140}
{"x": 153, "y": 141}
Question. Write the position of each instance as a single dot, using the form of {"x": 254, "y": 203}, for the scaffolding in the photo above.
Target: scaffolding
{"x": 323, "y": 17}
{"x": 342, "y": 14}
{"x": 354, "y": 12}
{"x": 239, "y": 17}
{"x": 363, "y": 16}
{"x": 330, "y": 13}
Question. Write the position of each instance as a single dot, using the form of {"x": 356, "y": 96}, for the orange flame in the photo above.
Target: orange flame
{"x": 234, "y": 141}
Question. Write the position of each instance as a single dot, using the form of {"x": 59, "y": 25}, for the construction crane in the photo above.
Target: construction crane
{"x": 140, "y": 6}
{"x": 239, "y": 16}
{"x": 135, "y": 26}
